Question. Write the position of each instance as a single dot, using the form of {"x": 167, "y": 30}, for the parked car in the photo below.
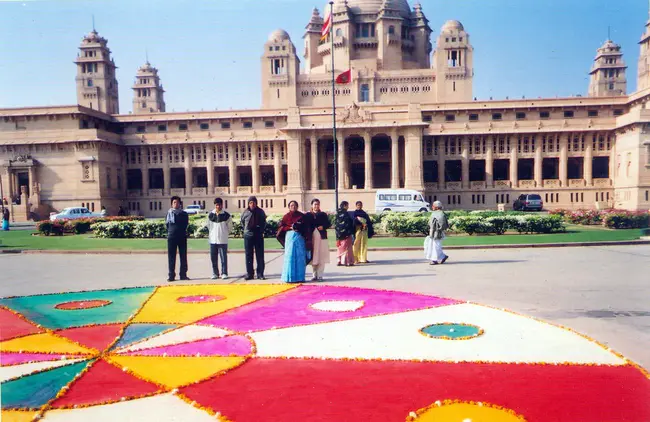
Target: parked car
{"x": 400, "y": 200}
{"x": 73, "y": 213}
{"x": 528, "y": 202}
{"x": 194, "y": 209}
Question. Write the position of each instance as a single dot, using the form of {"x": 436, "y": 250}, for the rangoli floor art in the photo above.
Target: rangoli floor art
{"x": 300, "y": 353}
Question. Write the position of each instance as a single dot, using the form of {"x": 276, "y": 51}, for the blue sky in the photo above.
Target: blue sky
{"x": 208, "y": 51}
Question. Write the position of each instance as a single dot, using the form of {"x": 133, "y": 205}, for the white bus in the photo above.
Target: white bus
{"x": 400, "y": 200}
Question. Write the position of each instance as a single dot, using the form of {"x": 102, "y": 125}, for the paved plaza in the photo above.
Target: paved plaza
{"x": 120, "y": 348}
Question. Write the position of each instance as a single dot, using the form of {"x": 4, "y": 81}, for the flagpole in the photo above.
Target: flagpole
{"x": 335, "y": 142}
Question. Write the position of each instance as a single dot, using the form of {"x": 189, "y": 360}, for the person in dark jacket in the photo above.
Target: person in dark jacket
{"x": 318, "y": 222}
{"x": 177, "y": 221}
{"x": 344, "y": 233}
{"x": 253, "y": 221}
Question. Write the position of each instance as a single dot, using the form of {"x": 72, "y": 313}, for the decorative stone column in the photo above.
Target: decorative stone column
{"x": 255, "y": 167}
{"x": 414, "y": 178}
{"x": 145, "y": 171}
{"x": 514, "y": 179}
{"x": 465, "y": 162}
{"x": 394, "y": 160}
{"x": 489, "y": 162}
{"x": 188, "y": 171}
{"x": 323, "y": 166}
{"x": 277, "y": 166}
{"x": 564, "y": 159}
{"x": 538, "y": 161}
{"x": 343, "y": 162}
{"x": 210, "y": 168}
{"x": 367, "y": 158}
{"x": 588, "y": 164}
{"x": 166, "y": 172}
{"x": 294, "y": 145}
{"x": 315, "y": 185}
{"x": 441, "y": 163}
{"x": 232, "y": 168}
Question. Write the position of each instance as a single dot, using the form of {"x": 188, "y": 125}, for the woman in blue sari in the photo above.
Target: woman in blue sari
{"x": 291, "y": 235}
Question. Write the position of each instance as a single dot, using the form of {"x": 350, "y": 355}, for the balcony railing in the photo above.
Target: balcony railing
{"x": 155, "y": 192}
{"x": 454, "y": 185}
{"x": 225, "y": 190}
{"x": 502, "y": 183}
{"x": 134, "y": 193}
{"x": 478, "y": 185}
{"x": 552, "y": 183}
{"x": 603, "y": 183}
{"x": 199, "y": 191}
{"x": 177, "y": 191}
{"x": 267, "y": 189}
{"x": 576, "y": 183}
{"x": 244, "y": 189}
{"x": 527, "y": 184}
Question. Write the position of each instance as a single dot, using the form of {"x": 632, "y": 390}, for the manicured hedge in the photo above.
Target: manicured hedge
{"x": 612, "y": 218}
{"x": 78, "y": 226}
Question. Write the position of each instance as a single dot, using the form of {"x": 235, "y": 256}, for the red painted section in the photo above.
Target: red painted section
{"x": 104, "y": 383}
{"x": 11, "y": 326}
{"x": 96, "y": 336}
{"x": 316, "y": 390}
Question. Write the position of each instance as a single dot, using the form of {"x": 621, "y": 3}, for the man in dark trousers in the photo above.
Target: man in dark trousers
{"x": 253, "y": 222}
{"x": 177, "y": 221}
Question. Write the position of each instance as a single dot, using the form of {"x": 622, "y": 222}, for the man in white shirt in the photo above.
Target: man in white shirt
{"x": 219, "y": 225}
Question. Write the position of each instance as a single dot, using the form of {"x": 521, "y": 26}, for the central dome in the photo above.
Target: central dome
{"x": 373, "y": 6}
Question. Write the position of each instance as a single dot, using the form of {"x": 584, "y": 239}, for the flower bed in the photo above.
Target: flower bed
{"x": 613, "y": 219}
{"x": 488, "y": 222}
{"x": 77, "y": 226}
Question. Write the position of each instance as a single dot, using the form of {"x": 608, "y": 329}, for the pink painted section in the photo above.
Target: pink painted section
{"x": 292, "y": 308}
{"x": 200, "y": 299}
{"x": 7, "y": 358}
{"x": 223, "y": 346}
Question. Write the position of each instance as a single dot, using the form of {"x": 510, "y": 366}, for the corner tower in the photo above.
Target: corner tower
{"x": 607, "y": 75}
{"x": 643, "y": 79}
{"x": 454, "y": 64}
{"x": 148, "y": 93}
{"x": 280, "y": 69}
{"x": 312, "y": 41}
{"x": 96, "y": 79}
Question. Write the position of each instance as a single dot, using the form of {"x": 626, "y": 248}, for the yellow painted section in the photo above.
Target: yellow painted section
{"x": 17, "y": 415}
{"x": 460, "y": 412}
{"x": 163, "y": 306}
{"x": 44, "y": 343}
{"x": 173, "y": 372}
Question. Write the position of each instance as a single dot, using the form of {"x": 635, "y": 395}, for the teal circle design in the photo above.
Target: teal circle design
{"x": 452, "y": 331}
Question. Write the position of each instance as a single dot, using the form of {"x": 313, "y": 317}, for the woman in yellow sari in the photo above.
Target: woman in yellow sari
{"x": 363, "y": 232}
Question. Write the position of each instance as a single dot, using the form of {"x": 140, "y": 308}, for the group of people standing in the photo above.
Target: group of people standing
{"x": 304, "y": 238}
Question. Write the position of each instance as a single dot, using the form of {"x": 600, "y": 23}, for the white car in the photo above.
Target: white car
{"x": 194, "y": 209}
{"x": 73, "y": 213}
{"x": 400, "y": 200}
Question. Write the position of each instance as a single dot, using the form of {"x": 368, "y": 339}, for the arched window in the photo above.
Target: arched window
{"x": 339, "y": 32}
{"x": 391, "y": 30}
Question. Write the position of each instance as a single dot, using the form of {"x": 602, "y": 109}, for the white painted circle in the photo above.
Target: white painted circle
{"x": 338, "y": 305}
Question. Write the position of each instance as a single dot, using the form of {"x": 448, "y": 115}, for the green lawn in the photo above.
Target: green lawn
{"x": 23, "y": 239}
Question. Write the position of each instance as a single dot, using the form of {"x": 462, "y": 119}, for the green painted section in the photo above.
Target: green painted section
{"x": 41, "y": 309}
{"x": 450, "y": 330}
{"x": 33, "y": 391}
{"x": 137, "y": 332}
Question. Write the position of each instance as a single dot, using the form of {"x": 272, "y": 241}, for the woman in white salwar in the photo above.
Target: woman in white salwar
{"x": 437, "y": 226}
{"x": 318, "y": 223}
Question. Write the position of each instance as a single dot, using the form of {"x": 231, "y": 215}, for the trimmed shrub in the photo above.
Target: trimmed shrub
{"x": 626, "y": 219}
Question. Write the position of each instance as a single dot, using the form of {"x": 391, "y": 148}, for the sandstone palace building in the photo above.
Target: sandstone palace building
{"x": 408, "y": 119}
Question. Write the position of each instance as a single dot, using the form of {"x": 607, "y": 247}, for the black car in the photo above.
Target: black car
{"x": 528, "y": 202}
